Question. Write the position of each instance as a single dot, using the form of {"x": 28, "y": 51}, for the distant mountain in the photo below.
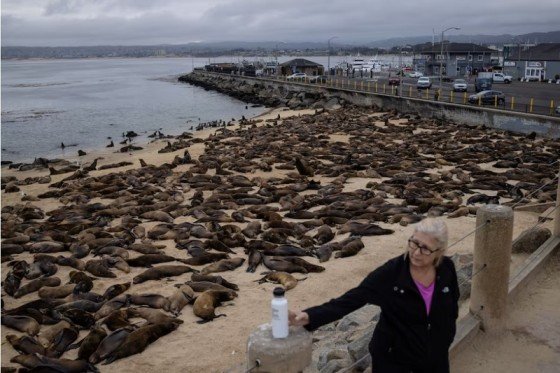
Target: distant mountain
{"x": 264, "y": 48}
{"x": 534, "y": 37}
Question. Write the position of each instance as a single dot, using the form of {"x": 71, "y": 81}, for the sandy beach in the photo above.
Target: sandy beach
{"x": 220, "y": 346}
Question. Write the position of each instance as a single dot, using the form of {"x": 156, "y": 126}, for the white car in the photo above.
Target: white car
{"x": 297, "y": 76}
{"x": 415, "y": 74}
{"x": 459, "y": 85}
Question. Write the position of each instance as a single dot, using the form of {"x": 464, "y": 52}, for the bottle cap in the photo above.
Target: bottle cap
{"x": 279, "y": 292}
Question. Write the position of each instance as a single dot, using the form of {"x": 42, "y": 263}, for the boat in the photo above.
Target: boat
{"x": 358, "y": 64}
{"x": 372, "y": 65}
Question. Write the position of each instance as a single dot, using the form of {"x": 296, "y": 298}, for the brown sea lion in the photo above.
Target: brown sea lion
{"x": 287, "y": 250}
{"x": 99, "y": 268}
{"x": 82, "y": 304}
{"x": 223, "y": 265}
{"x": 47, "y": 335}
{"x": 35, "y": 285}
{"x": 216, "y": 279}
{"x": 205, "y": 304}
{"x": 202, "y": 286}
{"x": 350, "y": 248}
{"x": 324, "y": 234}
{"x": 255, "y": 258}
{"x": 303, "y": 263}
{"x": 46, "y": 247}
{"x": 157, "y": 273}
{"x": 148, "y": 260}
{"x": 204, "y": 258}
{"x": 285, "y": 279}
{"x": 61, "y": 341}
{"x": 361, "y": 229}
{"x": 151, "y": 300}
{"x": 138, "y": 340}
{"x": 158, "y": 216}
{"x": 109, "y": 344}
{"x": 146, "y": 248}
{"x": 277, "y": 264}
{"x": 116, "y": 303}
{"x": 77, "y": 317}
{"x": 71, "y": 262}
{"x": 113, "y": 251}
{"x": 116, "y": 320}
{"x": 63, "y": 365}
{"x": 324, "y": 252}
{"x": 23, "y": 324}
{"x": 56, "y": 291}
{"x": 252, "y": 230}
{"x": 90, "y": 343}
{"x": 114, "y": 290}
{"x": 180, "y": 298}
{"x": 25, "y": 344}
{"x": 151, "y": 315}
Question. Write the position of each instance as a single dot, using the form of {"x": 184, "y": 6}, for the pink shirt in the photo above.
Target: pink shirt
{"x": 426, "y": 292}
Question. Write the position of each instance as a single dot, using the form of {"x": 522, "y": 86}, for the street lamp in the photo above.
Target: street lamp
{"x": 329, "y": 54}
{"x": 441, "y": 54}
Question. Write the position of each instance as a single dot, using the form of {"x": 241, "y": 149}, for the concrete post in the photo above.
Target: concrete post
{"x": 557, "y": 212}
{"x": 286, "y": 355}
{"x": 492, "y": 250}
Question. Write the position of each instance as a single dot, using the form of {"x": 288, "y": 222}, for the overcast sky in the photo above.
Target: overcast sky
{"x": 144, "y": 22}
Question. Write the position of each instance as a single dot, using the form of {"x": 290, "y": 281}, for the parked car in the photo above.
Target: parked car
{"x": 297, "y": 76}
{"x": 557, "y": 110}
{"x": 459, "y": 85}
{"x": 424, "y": 83}
{"x": 318, "y": 79}
{"x": 501, "y": 78}
{"x": 394, "y": 80}
{"x": 488, "y": 97}
{"x": 415, "y": 74}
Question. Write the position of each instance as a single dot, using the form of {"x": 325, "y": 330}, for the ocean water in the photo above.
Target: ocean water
{"x": 83, "y": 102}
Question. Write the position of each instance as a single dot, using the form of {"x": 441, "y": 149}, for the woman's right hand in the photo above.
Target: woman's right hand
{"x": 298, "y": 318}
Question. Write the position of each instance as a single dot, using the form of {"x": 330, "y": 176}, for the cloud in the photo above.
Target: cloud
{"x": 103, "y": 22}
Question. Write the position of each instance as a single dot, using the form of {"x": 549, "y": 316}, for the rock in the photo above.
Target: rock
{"x": 332, "y": 104}
{"x": 358, "y": 348}
{"x": 328, "y": 354}
{"x": 530, "y": 240}
{"x": 359, "y": 317}
{"x": 336, "y": 365}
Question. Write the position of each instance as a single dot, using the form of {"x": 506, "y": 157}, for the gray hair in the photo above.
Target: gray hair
{"x": 437, "y": 229}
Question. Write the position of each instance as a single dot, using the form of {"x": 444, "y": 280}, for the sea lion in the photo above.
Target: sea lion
{"x": 138, "y": 340}
{"x": 116, "y": 303}
{"x": 277, "y": 264}
{"x": 153, "y": 316}
{"x": 350, "y": 248}
{"x": 223, "y": 265}
{"x": 49, "y": 364}
{"x": 204, "y": 258}
{"x": 46, "y": 247}
{"x": 216, "y": 279}
{"x": 324, "y": 252}
{"x": 99, "y": 268}
{"x": 82, "y": 304}
{"x": 205, "y": 304}
{"x": 285, "y": 279}
{"x": 47, "y": 335}
{"x": 77, "y": 317}
{"x": 114, "y": 290}
{"x": 71, "y": 262}
{"x": 11, "y": 283}
{"x": 160, "y": 272}
{"x": 360, "y": 229}
{"x": 56, "y": 291}
{"x": 109, "y": 344}
{"x": 255, "y": 258}
{"x": 180, "y": 298}
{"x": 116, "y": 320}
{"x": 151, "y": 300}
{"x": 61, "y": 341}
{"x": 25, "y": 344}
{"x": 303, "y": 263}
{"x": 90, "y": 343}
{"x": 287, "y": 250}
{"x": 252, "y": 230}
{"x": 113, "y": 251}
{"x": 23, "y": 324}
{"x": 324, "y": 234}
{"x": 35, "y": 285}
{"x": 148, "y": 259}
{"x": 202, "y": 286}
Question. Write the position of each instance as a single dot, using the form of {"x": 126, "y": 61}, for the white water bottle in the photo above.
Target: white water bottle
{"x": 279, "y": 305}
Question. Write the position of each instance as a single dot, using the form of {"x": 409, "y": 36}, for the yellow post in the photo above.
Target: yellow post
{"x": 465, "y": 98}
{"x": 383, "y": 87}
{"x": 355, "y": 85}
{"x": 410, "y": 91}
{"x": 362, "y": 85}
{"x": 368, "y": 86}
{"x": 427, "y": 93}
{"x": 551, "y": 107}
{"x": 451, "y": 96}
{"x": 512, "y": 103}
{"x": 479, "y": 100}
{"x": 531, "y": 106}
{"x": 375, "y": 87}
{"x": 495, "y": 101}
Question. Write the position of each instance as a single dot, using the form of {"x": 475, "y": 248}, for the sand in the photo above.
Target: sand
{"x": 220, "y": 345}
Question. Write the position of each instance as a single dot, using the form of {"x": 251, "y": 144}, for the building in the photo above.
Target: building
{"x": 539, "y": 62}
{"x": 458, "y": 59}
{"x": 300, "y": 65}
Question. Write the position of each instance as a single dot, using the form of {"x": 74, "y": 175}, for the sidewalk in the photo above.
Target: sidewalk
{"x": 531, "y": 342}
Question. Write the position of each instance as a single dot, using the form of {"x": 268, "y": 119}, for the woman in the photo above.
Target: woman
{"x": 418, "y": 295}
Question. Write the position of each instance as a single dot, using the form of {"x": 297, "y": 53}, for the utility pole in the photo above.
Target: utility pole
{"x": 329, "y": 54}
{"x": 441, "y": 55}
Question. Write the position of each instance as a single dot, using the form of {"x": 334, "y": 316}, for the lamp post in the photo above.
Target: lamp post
{"x": 441, "y": 54}
{"x": 329, "y": 54}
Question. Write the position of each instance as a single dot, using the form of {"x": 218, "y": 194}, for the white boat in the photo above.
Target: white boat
{"x": 372, "y": 65}
{"x": 358, "y": 64}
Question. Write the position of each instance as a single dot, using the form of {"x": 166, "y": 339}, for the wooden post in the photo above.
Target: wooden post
{"x": 531, "y": 106}
{"x": 290, "y": 355}
{"x": 512, "y": 103}
{"x": 427, "y": 93}
{"x": 551, "y": 107}
{"x": 465, "y": 98}
{"x": 495, "y": 101}
{"x": 451, "y": 96}
{"x": 410, "y": 91}
{"x": 479, "y": 100}
{"x": 492, "y": 255}
{"x": 383, "y": 87}
{"x": 375, "y": 87}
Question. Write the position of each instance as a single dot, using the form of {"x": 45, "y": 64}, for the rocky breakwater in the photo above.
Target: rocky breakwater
{"x": 263, "y": 92}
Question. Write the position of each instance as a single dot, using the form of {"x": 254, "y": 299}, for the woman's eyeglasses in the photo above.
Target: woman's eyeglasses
{"x": 424, "y": 250}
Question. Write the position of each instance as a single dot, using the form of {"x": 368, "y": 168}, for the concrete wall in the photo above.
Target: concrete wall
{"x": 464, "y": 114}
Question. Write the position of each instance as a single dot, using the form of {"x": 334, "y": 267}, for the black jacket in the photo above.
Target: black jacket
{"x": 405, "y": 339}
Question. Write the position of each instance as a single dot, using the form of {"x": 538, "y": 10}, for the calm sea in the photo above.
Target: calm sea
{"x": 84, "y": 102}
